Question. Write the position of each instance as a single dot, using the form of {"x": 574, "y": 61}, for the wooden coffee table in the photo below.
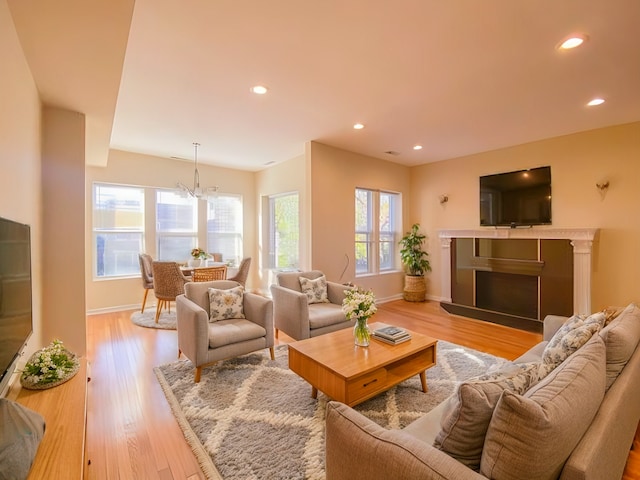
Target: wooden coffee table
{"x": 332, "y": 364}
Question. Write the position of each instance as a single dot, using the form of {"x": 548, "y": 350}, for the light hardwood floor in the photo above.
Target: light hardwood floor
{"x": 131, "y": 432}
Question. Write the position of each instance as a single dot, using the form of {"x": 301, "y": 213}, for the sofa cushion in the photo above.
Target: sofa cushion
{"x": 225, "y": 304}
{"x": 532, "y": 435}
{"x": 570, "y": 337}
{"x": 315, "y": 289}
{"x": 621, "y": 338}
{"x": 468, "y": 414}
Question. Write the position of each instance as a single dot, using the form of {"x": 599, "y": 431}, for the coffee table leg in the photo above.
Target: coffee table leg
{"x": 314, "y": 392}
{"x": 423, "y": 380}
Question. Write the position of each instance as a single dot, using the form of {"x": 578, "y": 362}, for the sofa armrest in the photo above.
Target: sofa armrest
{"x": 259, "y": 310}
{"x": 552, "y": 324}
{"x": 193, "y": 329}
{"x": 335, "y": 292}
{"x": 359, "y": 449}
{"x": 290, "y": 312}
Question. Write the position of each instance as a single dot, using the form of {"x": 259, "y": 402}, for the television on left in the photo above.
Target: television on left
{"x": 16, "y": 314}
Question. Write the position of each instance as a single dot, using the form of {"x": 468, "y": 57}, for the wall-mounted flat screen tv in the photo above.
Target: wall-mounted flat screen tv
{"x": 16, "y": 323}
{"x": 516, "y": 198}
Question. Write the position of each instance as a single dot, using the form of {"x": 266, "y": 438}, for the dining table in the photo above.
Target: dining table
{"x": 188, "y": 271}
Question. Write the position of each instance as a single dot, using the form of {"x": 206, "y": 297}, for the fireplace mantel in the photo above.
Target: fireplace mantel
{"x": 581, "y": 240}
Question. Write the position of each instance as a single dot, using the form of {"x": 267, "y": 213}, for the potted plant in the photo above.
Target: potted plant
{"x": 416, "y": 263}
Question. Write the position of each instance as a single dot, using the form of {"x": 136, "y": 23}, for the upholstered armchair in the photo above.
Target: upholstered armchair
{"x": 204, "y": 341}
{"x": 296, "y": 316}
{"x": 146, "y": 272}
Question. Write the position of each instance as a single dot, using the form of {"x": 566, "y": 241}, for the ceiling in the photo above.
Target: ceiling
{"x": 458, "y": 77}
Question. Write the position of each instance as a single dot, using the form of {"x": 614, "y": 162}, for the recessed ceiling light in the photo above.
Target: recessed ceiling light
{"x": 417, "y": 147}
{"x": 596, "y": 101}
{"x": 572, "y": 42}
{"x": 259, "y": 89}
{"x": 358, "y": 126}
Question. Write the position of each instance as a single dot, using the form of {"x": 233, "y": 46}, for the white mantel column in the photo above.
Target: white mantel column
{"x": 582, "y": 276}
{"x": 445, "y": 266}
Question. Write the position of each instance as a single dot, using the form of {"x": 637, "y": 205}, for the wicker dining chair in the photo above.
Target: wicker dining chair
{"x": 207, "y": 274}
{"x": 146, "y": 270}
{"x": 168, "y": 283}
{"x": 243, "y": 272}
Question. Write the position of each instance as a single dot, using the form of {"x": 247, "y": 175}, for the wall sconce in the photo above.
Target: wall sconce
{"x": 602, "y": 188}
{"x": 444, "y": 198}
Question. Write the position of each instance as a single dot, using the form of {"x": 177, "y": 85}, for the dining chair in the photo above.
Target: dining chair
{"x": 216, "y": 257}
{"x": 168, "y": 283}
{"x": 147, "y": 275}
{"x": 243, "y": 272}
{"x": 207, "y": 274}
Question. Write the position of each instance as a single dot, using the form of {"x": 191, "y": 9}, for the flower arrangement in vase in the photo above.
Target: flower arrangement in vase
{"x": 198, "y": 255}
{"x": 360, "y": 305}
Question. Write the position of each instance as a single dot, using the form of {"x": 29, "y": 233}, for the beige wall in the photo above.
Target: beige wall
{"x": 577, "y": 163}
{"x": 63, "y": 160}
{"x": 148, "y": 171}
{"x": 335, "y": 174}
{"x": 20, "y": 181}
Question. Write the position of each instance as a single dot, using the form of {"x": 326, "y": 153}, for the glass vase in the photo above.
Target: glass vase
{"x": 361, "y": 332}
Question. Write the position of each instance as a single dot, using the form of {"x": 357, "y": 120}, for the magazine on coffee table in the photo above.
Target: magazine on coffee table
{"x": 391, "y": 334}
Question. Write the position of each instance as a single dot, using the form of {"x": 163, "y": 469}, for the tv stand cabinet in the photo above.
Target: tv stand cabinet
{"x": 61, "y": 453}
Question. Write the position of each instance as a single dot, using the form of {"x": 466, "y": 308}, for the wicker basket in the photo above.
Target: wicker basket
{"x": 415, "y": 288}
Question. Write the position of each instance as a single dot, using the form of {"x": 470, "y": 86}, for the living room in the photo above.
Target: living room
{"x": 47, "y": 184}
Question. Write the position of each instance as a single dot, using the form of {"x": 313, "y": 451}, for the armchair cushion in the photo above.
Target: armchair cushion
{"x": 315, "y": 289}
{"x": 226, "y": 332}
{"x": 225, "y": 304}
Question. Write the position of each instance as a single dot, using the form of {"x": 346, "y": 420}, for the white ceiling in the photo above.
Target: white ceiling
{"x": 458, "y": 77}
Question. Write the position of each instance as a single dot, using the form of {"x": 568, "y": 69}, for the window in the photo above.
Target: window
{"x": 118, "y": 229}
{"x": 224, "y": 227}
{"x": 377, "y": 224}
{"x": 176, "y": 225}
{"x": 284, "y": 231}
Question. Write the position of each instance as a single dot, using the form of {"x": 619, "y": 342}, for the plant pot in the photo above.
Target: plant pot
{"x": 415, "y": 288}
{"x": 195, "y": 262}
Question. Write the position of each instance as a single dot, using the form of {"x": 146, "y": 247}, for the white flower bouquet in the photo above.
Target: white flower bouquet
{"x": 51, "y": 366}
{"x": 359, "y": 303}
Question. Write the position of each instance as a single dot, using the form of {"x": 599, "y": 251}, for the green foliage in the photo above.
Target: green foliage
{"x": 411, "y": 254}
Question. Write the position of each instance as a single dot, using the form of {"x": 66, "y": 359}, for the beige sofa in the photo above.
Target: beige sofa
{"x": 581, "y": 419}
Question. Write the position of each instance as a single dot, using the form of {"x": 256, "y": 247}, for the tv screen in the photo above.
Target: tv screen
{"x": 16, "y": 320}
{"x": 516, "y": 198}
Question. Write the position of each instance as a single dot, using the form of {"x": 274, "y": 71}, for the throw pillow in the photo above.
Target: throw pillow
{"x": 611, "y": 313}
{"x": 316, "y": 290}
{"x": 532, "y": 435}
{"x": 226, "y": 304}
{"x": 621, "y": 338}
{"x": 570, "y": 337}
{"x": 468, "y": 414}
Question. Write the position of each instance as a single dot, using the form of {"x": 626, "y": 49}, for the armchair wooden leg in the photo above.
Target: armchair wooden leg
{"x": 198, "y": 373}
{"x": 179, "y": 353}
{"x": 144, "y": 300}
{"x": 277, "y": 332}
{"x": 272, "y": 353}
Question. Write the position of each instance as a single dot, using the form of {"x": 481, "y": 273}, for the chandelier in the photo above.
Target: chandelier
{"x": 196, "y": 191}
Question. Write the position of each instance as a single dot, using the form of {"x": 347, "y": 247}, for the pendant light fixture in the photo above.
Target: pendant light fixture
{"x": 196, "y": 191}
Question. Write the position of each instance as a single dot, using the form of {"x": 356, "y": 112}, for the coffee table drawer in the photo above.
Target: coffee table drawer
{"x": 366, "y": 385}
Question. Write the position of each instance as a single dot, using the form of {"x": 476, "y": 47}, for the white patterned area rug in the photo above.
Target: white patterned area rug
{"x": 253, "y": 418}
{"x": 166, "y": 321}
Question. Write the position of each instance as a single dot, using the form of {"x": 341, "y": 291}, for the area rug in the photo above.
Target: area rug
{"x": 253, "y": 418}
{"x": 147, "y": 319}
